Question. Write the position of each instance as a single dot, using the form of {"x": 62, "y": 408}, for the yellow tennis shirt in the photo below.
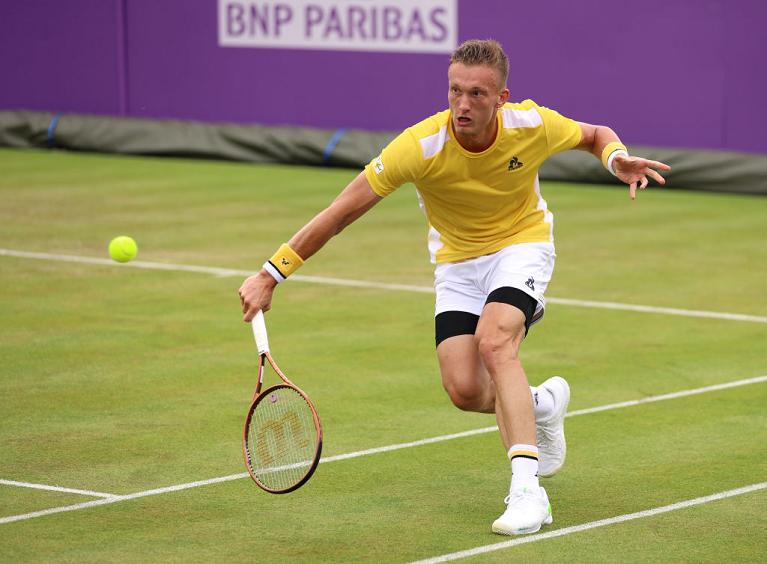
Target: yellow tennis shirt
{"x": 477, "y": 203}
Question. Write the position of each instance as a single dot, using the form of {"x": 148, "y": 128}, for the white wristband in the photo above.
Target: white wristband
{"x": 612, "y": 156}
{"x": 269, "y": 267}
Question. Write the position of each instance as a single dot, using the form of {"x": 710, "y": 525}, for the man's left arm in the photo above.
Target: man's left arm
{"x": 604, "y": 144}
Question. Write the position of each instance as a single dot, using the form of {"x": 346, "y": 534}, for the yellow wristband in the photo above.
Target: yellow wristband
{"x": 283, "y": 263}
{"x": 609, "y": 149}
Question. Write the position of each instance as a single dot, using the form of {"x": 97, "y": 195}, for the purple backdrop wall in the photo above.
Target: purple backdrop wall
{"x": 674, "y": 73}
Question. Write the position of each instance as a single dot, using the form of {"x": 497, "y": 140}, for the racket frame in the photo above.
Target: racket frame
{"x": 259, "y": 332}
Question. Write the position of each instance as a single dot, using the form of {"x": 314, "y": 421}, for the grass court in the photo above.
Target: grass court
{"x": 125, "y": 386}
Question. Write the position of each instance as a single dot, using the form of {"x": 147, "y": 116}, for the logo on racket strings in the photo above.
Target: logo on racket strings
{"x": 280, "y": 436}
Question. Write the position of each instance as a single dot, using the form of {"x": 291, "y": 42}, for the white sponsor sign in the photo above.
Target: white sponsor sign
{"x": 425, "y": 26}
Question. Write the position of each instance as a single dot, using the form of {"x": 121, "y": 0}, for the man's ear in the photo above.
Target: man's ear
{"x": 503, "y": 97}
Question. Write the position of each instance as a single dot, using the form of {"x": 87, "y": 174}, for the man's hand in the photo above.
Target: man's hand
{"x": 355, "y": 200}
{"x": 256, "y": 294}
{"x": 635, "y": 170}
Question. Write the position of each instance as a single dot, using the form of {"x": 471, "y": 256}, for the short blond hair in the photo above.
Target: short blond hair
{"x": 487, "y": 52}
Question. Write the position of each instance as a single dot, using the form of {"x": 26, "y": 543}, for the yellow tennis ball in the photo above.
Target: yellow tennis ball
{"x": 123, "y": 249}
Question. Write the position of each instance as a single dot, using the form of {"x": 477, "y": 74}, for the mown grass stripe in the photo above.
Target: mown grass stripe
{"x": 377, "y": 450}
{"x": 227, "y": 272}
{"x": 593, "y": 524}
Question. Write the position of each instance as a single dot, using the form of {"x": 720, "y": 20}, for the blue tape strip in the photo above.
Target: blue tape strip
{"x": 52, "y": 130}
{"x": 332, "y": 145}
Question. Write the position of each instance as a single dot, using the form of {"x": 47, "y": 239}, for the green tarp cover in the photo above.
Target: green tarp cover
{"x": 692, "y": 169}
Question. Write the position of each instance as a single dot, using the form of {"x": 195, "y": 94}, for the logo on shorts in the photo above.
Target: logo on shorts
{"x": 515, "y": 164}
{"x": 530, "y": 283}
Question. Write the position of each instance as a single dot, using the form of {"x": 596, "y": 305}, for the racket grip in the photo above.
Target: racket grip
{"x": 259, "y": 332}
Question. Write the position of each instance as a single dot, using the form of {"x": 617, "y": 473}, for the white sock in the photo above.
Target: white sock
{"x": 524, "y": 467}
{"x": 543, "y": 402}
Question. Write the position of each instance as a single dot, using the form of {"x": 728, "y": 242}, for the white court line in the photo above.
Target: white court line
{"x": 672, "y": 395}
{"x": 593, "y": 524}
{"x": 226, "y": 272}
{"x": 54, "y": 488}
{"x": 118, "y": 498}
{"x": 378, "y": 450}
{"x": 662, "y": 310}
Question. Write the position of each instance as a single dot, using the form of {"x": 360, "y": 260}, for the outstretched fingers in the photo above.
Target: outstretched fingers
{"x": 644, "y": 168}
{"x": 655, "y": 175}
{"x": 657, "y": 164}
{"x": 640, "y": 183}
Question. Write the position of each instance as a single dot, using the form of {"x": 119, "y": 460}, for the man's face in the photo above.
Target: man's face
{"x": 474, "y": 96}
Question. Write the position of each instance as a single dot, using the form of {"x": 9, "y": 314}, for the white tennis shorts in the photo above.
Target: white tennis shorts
{"x": 465, "y": 285}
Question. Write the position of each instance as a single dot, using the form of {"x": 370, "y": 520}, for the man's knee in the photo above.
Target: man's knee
{"x": 468, "y": 397}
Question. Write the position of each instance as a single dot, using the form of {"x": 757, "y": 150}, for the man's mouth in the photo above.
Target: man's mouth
{"x": 463, "y": 120}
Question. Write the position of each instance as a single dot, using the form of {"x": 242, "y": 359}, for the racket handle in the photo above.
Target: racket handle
{"x": 259, "y": 332}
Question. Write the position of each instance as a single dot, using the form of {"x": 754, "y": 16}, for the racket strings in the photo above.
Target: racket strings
{"x": 282, "y": 439}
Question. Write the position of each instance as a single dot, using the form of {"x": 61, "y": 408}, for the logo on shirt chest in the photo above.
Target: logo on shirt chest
{"x": 515, "y": 164}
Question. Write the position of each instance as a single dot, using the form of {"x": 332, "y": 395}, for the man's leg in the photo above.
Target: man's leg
{"x": 468, "y": 383}
{"x": 479, "y": 359}
{"x": 466, "y": 380}
{"x": 519, "y": 277}
{"x": 499, "y": 335}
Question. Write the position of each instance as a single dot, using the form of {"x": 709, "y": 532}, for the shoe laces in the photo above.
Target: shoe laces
{"x": 518, "y": 494}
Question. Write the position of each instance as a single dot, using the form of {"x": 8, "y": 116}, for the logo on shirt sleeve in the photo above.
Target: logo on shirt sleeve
{"x": 378, "y": 165}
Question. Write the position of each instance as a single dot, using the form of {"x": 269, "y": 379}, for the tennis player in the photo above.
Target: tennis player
{"x": 475, "y": 167}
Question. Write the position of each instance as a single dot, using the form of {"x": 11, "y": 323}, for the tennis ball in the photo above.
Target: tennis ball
{"x": 123, "y": 249}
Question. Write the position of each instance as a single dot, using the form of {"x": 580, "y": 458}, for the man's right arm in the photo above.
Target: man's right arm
{"x": 353, "y": 202}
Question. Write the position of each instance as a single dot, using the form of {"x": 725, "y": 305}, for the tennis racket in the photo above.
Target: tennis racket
{"x": 282, "y": 437}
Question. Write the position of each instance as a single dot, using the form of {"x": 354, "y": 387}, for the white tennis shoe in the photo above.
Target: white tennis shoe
{"x": 526, "y": 511}
{"x": 550, "y": 432}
